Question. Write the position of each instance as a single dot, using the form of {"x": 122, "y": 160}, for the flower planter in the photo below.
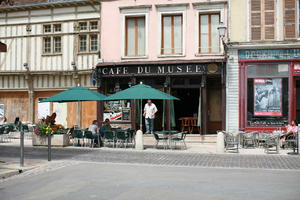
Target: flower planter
{"x": 56, "y": 140}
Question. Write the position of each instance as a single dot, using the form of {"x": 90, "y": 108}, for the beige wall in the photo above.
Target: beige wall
{"x": 238, "y": 20}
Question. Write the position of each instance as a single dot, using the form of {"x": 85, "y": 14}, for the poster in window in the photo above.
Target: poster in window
{"x": 267, "y": 97}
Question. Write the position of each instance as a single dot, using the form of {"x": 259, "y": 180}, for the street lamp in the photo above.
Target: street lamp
{"x": 222, "y": 31}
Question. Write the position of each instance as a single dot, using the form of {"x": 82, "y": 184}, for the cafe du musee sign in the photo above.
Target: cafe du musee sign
{"x": 158, "y": 69}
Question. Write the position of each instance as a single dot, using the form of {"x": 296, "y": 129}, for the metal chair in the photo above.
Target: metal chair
{"x": 180, "y": 139}
{"x": 231, "y": 142}
{"x": 272, "y": 143}
{"x": 249, "y": 139}
{"x": 78, "y": 136}
{"x": 158, "y": 139}
{"x": 109, "y": 138}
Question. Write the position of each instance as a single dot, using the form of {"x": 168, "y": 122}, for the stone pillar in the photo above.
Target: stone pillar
{"x": 139, "y": 140}
{"x": 31, "y": 106}
{"x": 220, "y": 142}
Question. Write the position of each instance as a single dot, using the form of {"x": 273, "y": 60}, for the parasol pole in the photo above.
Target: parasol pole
{"x": 141, "y": 118}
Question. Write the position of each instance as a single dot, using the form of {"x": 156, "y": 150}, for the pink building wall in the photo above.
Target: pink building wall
{"x": 111, "y": 29}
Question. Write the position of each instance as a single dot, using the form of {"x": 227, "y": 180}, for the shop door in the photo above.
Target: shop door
{"x": 298, "y": 100}
{"x": 214, "y": 111}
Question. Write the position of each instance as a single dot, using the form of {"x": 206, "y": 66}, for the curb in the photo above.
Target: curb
{"x": 10, "y": 172}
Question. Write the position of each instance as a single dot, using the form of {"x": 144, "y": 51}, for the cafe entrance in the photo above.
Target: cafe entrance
{"x": 297, "y": 83}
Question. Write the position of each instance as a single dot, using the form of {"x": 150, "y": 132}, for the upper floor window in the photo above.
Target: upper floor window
{"x": 82, "y": 26}
{"x": 94, "y": 25}
{"x": 52, "y": 43}
{"x": 262, "y": 19}
{"x": 209, "y": 41}
{"x": 135, "y": 38}
{"x": 290, "y": 19}
{"x": 171, "y": 34}
{"x": 88, "y": 43}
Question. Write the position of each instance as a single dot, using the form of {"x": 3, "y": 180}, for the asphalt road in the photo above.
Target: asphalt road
{"x": 90, "y": 180}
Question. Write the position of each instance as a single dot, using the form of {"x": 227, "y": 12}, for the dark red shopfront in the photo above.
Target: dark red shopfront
{"x": 269, "y": 86}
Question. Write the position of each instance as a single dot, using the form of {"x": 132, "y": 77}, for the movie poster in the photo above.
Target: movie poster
{"x": 267, "y": 97}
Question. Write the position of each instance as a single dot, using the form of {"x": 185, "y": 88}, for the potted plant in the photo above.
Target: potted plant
{"x": 58, "y": 135}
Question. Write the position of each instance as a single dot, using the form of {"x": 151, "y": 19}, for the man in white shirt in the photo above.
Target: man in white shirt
{"x": 149, "y": 114}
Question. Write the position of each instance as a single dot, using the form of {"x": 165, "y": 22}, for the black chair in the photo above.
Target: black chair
{"x": 78, "y": 136}
{"x": 109, "y": 138}
{"x": 88, "y": 135}
{"x": 164, "y": 140}
{"x": 180, "y": 139}
{"x": 291, "y": 142}
{"x": 122, "y": 138}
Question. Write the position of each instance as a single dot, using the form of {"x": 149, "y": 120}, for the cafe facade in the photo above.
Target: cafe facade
{"x": 199, "y": 86}
{"x": 269, "y": 87}
{"x": 173, "y": 46}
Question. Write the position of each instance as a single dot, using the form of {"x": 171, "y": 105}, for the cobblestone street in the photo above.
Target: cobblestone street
{"x": 158, "y": 157}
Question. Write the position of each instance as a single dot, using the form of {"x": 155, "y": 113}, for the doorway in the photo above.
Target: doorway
{"x": 188, "y": 105}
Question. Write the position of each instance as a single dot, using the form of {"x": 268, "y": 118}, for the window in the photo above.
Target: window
{"x": 47, "y": 45}
{"x": 94, "y": 25}
{"x": 57, "y": 44}
{"x": 93, "y": 42}
{"x": 171, "y": 34}
{"x": 83, "y": 26}
{"x": 262, "y": 19}
{"x": 82, "y": 43}
{"x": 57, "y": 27}
{"x": 52, "y": 43}
{"x": 47, "y": 28}
{"x": 290, "y": 19}
{"x": 209, "y": 41}
{"x": 135, "y": 36}
{"x": 267, "y": 94}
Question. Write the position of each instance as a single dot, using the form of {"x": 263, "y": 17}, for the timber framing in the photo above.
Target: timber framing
{"x": 47, "y": 5}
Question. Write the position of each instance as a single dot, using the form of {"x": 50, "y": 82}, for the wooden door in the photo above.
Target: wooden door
{"x": 214, "y": 110}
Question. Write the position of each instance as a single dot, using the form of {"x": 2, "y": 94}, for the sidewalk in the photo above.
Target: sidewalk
{"x": 201, "y": 148}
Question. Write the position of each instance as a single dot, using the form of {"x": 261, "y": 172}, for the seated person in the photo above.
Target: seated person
{"x": 105, "y": 127}
{"x": 291, "y": 129}
{"x": 95, "y": 130}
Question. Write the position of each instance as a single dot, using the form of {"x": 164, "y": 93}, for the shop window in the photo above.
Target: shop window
{"x": 262, "y": 19}
{"x": 267, "y": 95}
{"x": 209, "y": 41}
{"x": 135, "y": 38}
{"x": 171, "y": 34}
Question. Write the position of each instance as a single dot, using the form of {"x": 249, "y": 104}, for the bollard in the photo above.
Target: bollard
{"x": 139, "y": 140}
{"x": 21, "y": 149}
{"x": 49, "y": 146}
{"x": 220, "y": 142}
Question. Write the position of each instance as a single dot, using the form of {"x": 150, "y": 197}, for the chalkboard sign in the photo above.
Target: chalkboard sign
{"x": 126, "y": 115}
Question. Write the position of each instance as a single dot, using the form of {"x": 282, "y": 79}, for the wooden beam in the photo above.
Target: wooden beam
{"x": 3, "y": 47}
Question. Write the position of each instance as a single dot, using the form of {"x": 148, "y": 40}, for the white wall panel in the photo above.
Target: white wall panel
{"x": 232, "y": 93}
{"x": 63, "y": 10}
{"x": 41, "y": 12}
{"x": 18, "y": 20}
{"x": 87, "y": 15}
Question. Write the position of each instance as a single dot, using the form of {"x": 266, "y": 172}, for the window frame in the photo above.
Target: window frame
{"x": 199, "y": 36}
{"x": 88, "y": 43}
{"x": 133, "y": 13}
{"x": 51, "y": 35}
{"x": 126, "y": 37}
{"x": 172, "y": 11}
